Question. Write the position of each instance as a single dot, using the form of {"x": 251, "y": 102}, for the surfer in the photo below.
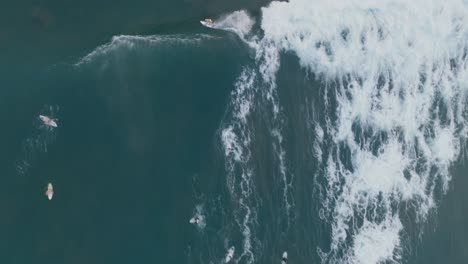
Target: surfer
{"x": 229, "y": 254}
{"x": 48, "y": 121}
{"x": 50, "y": 191}
{"x": 209, "y": 21}
{"x": 195, "y": 220}
{"x": 284, "y": 258}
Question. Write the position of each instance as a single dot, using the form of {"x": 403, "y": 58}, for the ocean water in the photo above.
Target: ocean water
{"x": 333, "y": 130}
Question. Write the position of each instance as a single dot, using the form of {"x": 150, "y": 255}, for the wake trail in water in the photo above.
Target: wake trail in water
{"x": 34, "y": 146}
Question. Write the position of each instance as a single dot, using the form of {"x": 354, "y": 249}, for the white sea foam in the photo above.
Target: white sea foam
{"x": 239, "y": 22}
{"x": 318, "y": 141}
{"x": 232, "y": 147}
{"x": 377, "y": 243}
{"x": 236, "y": 138}
{"x": 399, "y": 73}
{"x": 267, "y": 58}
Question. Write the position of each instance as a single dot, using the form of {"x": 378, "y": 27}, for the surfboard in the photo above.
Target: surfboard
{"x": 50, "y": 191}
{"x": 48, "y": 121}
{"x": 52, "y": 123}
{"x": 206, "y": 24}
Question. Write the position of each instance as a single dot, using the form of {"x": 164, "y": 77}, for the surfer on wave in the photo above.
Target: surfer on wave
{"x": 208, "y": 22}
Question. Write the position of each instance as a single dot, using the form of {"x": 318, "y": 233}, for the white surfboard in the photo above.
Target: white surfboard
{"x": 206, "y": 24}
{"x": 229, "y": 254}
{"x": 284, "y": 258}
{"x": 50, "y": 191}
{"x": 52, "y": 123}
{"x": 48, "y": 121}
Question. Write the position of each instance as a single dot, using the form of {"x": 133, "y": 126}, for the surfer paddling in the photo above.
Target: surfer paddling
{"x": 50, "y": 191}
{"x": 284, "y": 258}
{"x": 48, "y": 121}
{"x": 229, "y": 254}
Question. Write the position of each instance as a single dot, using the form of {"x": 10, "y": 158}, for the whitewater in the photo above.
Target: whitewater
{"x": 394, "y": 82}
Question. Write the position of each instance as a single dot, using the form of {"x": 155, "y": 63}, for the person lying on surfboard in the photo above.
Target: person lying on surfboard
{"x": 48, "y": 121}
{"x": 50, "y": 191}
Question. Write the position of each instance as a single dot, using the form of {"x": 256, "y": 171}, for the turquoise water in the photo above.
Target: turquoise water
{"x": 161, "y": 118}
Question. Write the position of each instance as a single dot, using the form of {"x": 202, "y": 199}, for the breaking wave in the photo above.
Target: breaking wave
{"x": 395, "y": 78}
{"x": 127, "y": 42}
